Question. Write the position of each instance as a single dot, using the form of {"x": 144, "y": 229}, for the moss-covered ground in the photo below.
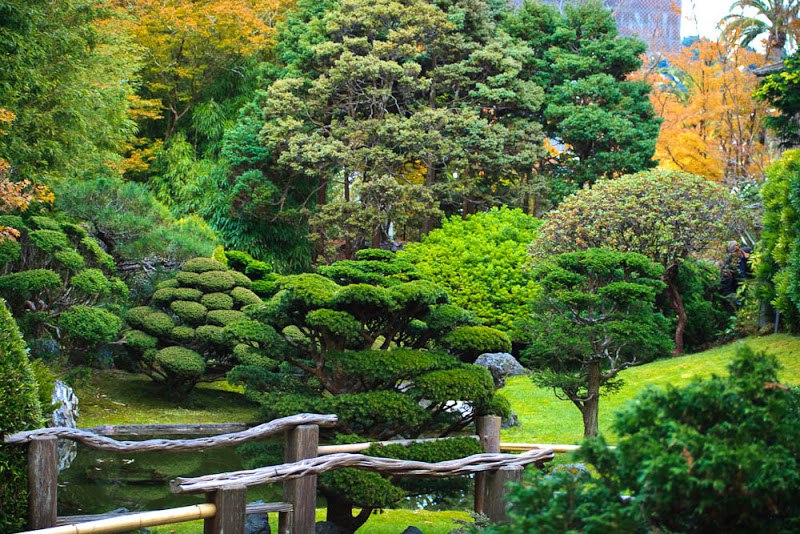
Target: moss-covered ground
{"x": 546, "y": 419}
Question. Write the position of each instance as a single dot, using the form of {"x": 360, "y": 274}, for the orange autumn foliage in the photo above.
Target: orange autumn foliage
{"x": 711, "y": 126}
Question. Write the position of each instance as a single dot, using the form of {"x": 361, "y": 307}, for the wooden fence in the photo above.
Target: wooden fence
{"x": 226, "y": 493}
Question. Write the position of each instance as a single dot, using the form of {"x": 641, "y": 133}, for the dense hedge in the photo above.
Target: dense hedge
{"x": 19, "y": 410}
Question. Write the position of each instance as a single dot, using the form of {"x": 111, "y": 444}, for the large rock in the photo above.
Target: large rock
{"x": 501, "y": 365}
{"x": 66, "y": 414}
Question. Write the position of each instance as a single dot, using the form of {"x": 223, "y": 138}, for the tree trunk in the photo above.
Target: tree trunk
{"x": 340, "y": 512}
{"x": 430, "y": 179}
{"x": 591, "y": 406}
{"x": 676, "y": 300}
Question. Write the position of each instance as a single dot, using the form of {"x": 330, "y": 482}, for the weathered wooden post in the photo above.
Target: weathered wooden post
{"x": 495, "y": 506}
{"x": 301, "y": 443}
{"x": 231, "y": 506}
{"x": 42, "y": 482}
{"x": 488, "y": 430}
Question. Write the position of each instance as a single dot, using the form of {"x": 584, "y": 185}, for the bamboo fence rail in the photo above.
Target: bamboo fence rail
{"x": 176, "y": 445}
{"x": 476, "y": 463}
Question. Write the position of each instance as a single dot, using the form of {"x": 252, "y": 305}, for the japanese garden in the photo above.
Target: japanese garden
{"x": 398, "y": 266}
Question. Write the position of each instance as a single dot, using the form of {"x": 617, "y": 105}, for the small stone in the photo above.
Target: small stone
{"x": 511, "y": 421}
{"x": 412, "y": 530}
{"x": 326, "y": 527}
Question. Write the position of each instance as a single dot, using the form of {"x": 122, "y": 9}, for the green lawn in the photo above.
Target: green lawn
{"x": 120, "y": 398}
{"x": 545, "y": 419}
{"x": 383, "y": 522}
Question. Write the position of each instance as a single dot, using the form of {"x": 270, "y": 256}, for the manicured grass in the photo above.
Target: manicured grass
{"x": 383, "y": 522}
{"x": 120, "y": 398}
{"x": 545, "y": 419}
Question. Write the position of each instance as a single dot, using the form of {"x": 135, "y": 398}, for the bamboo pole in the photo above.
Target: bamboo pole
{"x": 358, "y": 447}
{"x": 135, "y": 521}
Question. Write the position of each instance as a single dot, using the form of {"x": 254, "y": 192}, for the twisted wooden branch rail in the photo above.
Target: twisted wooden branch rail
{"x": 476, "y": 463}
{"x": 178, "y": 445}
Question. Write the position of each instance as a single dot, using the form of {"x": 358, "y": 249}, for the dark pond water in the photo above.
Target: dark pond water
{"x": 98, "y": 482}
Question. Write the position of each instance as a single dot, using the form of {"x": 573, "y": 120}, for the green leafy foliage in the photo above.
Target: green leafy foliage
{"x": 717, "y": 454}
{"x": 60, "y": 278}
{"x": 469, "y": 342}
{"x": 596, "y": 318}
{"x": 781, "y": 90}
{"x": 20, "y": 410}
{"x": 778, "y": 251}
{"x": 600, "y": 123}
{"x": 364, "y": 352}
{"x": 197, "y": 318}
{"x": 666, "y": 216}
{"x": 481, "y": 261}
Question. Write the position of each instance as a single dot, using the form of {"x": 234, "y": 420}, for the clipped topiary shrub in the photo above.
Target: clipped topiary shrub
{"x": 469, "y": 342}
{"x": 19, "y": 410}
{"x": 89, "y": 325}
{"x": 192, "y": 311}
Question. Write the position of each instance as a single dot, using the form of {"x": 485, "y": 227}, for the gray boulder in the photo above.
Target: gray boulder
{"x": 501, "y": 365}
{"x": 257, "y": 523}
{"x": 510, "y": 421}
{"x": 412, "y": 530}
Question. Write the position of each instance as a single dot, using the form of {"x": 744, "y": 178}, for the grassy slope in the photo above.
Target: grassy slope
{"x": 545, "y": 419}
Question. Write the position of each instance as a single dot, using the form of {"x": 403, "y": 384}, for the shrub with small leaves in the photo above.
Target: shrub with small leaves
{"x": 193, "y": 311}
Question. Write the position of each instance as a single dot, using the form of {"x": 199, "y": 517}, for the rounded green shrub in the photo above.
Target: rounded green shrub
{"x": 183, "y": 334}
{"x": 240, "y": 279}
{"x": 19, "y": 410}
{"x": 244, "y": 296}
{"x": 118, "y": 287}
{"x": 14, "y": 221}
{"x": 258, "y": 269}
{"x": 100, "y": 256}
{"x": 217, "y": 301}
{"x": 45, "y": 223}
{"x": 31, "y": 281}
{"x": 92, "y": 282}
{"x": 186, "y": 278}
{"x": 188, "y": 293}
{"x": 201, "y": 265}
{"x": 140, "y": 340}
{"x": 180, "y": 361}
{"x": 158, "y": 324}
{"x": 238, "y": 260}
{"x": 210, "y": 334}
{"x": 248, "y": 355}
{"x": 163, "y": 295}
{"x": 70, "y": 259}
{"x": 49, "y": 240}
{"x": 211, "y": 281}
{"x": 10, "y": 250}
{"x": 136, "y": 316}
{"x": 172, "y": 282}
{"x": 191, "y": 312}
{"x": 89, "y": 324}
{"x": 225, "y": 317}
{"x": 264, "y": 288}
{"x": 469, "y": 342}
{"x": 74, "y": 231}
{"x": 466, "y": 384}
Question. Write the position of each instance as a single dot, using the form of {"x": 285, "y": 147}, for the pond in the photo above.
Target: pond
{"x": 97, "y": 482}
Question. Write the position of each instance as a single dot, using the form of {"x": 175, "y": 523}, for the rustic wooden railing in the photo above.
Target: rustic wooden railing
{"x": 226, "y": 493}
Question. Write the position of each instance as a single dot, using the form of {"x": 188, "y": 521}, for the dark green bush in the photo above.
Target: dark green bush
{"x": 89, "y": 325}
{"x": 469, "y": 342}
{"x": 172, "y": 282}
{"x": 32, "y": 281}
{"x": 136, "y": 316}
{"x": 103, "y": 259}
{"x": 191, "y": 312}
{"x": 49, "y": 240}
{"x": 211, "y": 281}
{"x": 158, "y": 324}
{"x": 201, "y": 265}
{"x": 183, "y": 334}
{"x": 92, "y": 282}
{"x": 70, "y": 259}
{"x": 718, "y": 455}
{"x": 19, "y": 410}
{"x": 163, "y": 295}
{"x": 74, "y": 231}
{"x": 210, "y": 334}
{"x": 45, "y": 223}
{"x": 14, "y": 221}
{"x": 217, "y": 301}
{"x": 140, "y": 340}
{"x": 185, "y": 278}
{"x": 466, "y": 384}
{"x": 244, "y": 297}
{"x": 187, "y": 293}
{"x": 10, "y": 250}
{"x": 225, "y": 317}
